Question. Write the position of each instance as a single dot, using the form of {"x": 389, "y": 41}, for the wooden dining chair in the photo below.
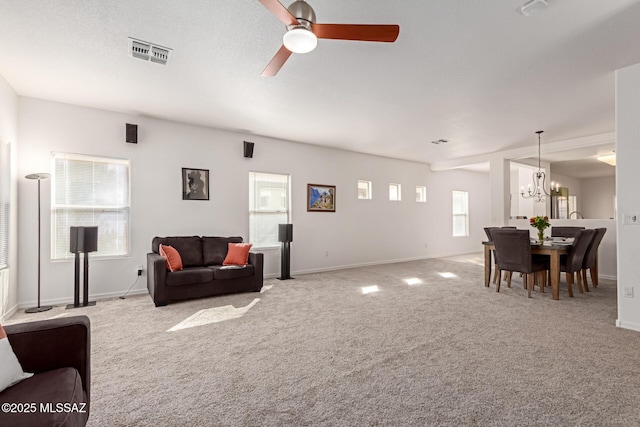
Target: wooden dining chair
{"x": 496, "y": 274}
{"x": 591, "y": 259}
{"x": 513, "y": 253}
{"x": 571, "y": 263}
{"x": 565, "y": 231}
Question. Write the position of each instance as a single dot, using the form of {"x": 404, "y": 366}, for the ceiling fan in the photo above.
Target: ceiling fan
{"x": 303, "y": 33}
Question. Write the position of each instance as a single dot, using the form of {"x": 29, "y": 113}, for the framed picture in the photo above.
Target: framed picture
{"x": 195, "y": 184}
{"x": 321, "y": 198}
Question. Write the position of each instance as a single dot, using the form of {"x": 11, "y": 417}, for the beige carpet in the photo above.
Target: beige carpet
{"x": 316, "y": 351}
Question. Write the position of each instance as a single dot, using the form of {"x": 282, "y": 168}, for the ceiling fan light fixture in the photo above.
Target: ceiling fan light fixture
{"x": 300, "y": 40}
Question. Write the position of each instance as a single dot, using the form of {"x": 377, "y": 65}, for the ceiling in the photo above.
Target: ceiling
{"x": 476, "y": 73}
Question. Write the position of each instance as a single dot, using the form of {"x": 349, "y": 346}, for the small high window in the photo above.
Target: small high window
{"x": 421, "y": 194}
{"x": 364, "y": 190}
{"x": 395, "y": 192}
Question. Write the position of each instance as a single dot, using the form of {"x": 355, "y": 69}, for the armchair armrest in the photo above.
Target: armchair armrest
{"x": 157, "y": 279}
{"x": 257, "y": 260}
{"x": 55, "y": 343}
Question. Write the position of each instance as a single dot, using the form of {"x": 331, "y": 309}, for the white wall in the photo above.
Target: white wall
{"x": 597, "y": 197}
{"x": 361, "y": 232}
{"x": 627, "y": 161}
{"x": 8, "y": 133}
{"x": 440, "y": 199}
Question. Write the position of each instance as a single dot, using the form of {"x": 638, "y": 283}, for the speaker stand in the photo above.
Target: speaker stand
{"x": 285, "y": 262}
{"x": 76, "y": 284}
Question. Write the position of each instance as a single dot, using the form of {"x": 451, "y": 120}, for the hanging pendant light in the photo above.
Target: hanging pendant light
{"x": 539, "y": 190}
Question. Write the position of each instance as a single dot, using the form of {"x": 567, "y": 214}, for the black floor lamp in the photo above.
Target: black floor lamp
{"x": 39, "y": 177}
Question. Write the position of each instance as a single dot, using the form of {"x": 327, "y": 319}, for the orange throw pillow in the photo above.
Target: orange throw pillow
{"x": 174, "y": 262}
{"x": 238, "y": 254}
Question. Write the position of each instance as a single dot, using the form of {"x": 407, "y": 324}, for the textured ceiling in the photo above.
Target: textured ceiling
{"x": 476, "y": 73}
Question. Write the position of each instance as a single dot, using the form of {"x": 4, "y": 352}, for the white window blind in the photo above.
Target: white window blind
{"x": 460, "y": 213}
{"x": 268, "y": 207}
{"x": 5, "y": 202}
{"x": 90, "y": 191}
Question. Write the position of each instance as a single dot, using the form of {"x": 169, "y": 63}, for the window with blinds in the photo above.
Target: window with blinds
{"x": 5, "y": 202}
{"x": 90, "y": 191}
{"x": 268, "y": 207}
{"x": 460, "y": 213}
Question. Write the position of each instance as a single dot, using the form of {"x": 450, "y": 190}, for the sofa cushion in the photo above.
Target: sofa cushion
{"x": 11, "y": 372}
{"x": 174, "y": 260}
{"x": 238, "y": 254}
{"x": 59, "y": 390}
{"x": 232, "y": 272}
{"x": 189, "y": 248}
{"x": 189, "y": 276}
{"x": 215, "y": 249}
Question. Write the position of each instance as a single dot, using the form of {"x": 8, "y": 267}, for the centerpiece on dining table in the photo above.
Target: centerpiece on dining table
{"x": 541, "y": 223}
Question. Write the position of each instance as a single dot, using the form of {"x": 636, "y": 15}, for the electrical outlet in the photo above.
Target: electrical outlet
{"x": 139, "y": 269}
{"x": 628, "y": 291}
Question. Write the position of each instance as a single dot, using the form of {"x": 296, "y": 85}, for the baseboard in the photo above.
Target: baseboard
{"x": 628, "y": 325}
{"x": 359, "y": 265}
{"x": 92, "y": 297}
{"x": 606, "y": 276}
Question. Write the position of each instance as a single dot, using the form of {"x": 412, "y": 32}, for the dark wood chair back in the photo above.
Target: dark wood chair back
{"x": 592, "y": 252}
{"x": 573, "y": 261}
{"x": 487, "y": 230}
{"x": 565, "y": 231}
{"x": 513, "y": 249}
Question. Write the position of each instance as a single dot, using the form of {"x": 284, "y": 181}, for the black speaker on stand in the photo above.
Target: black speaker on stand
{"x": 285, "y": 235}
{"x": 82, "y": 240}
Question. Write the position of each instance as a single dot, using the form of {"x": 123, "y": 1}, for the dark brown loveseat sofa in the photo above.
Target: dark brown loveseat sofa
{"x": 203, "y": 274}
{"x": 58, "y": 352}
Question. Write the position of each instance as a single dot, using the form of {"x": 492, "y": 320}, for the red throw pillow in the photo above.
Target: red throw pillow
{"x": 174, "y": 262}
{"x": 238, "y": 254}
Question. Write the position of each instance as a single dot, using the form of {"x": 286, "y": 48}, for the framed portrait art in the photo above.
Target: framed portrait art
{"x": 195, "y": 184}
{"x": 321, "y": 198}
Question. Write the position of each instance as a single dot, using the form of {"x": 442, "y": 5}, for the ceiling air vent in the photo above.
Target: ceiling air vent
{"x": 148, "y": 51}
{"x": 159, "y": 55}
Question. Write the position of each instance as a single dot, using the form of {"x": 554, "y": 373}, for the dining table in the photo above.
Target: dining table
{"x": 552, "y": 249}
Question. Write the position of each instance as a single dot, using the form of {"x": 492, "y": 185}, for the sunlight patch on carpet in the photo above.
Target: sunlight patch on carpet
{"x": 370, "y": 289}
{"x": 413, "y": 281}
{"x": 213, "y": 315}
{"x": 447, "y": 275}
{"x": 267, "y": 287}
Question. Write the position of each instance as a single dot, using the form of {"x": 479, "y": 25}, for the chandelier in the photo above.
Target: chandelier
{"x": 539, "y": 190}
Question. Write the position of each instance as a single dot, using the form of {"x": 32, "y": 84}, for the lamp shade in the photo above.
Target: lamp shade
{"x": 299, "y": 40}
